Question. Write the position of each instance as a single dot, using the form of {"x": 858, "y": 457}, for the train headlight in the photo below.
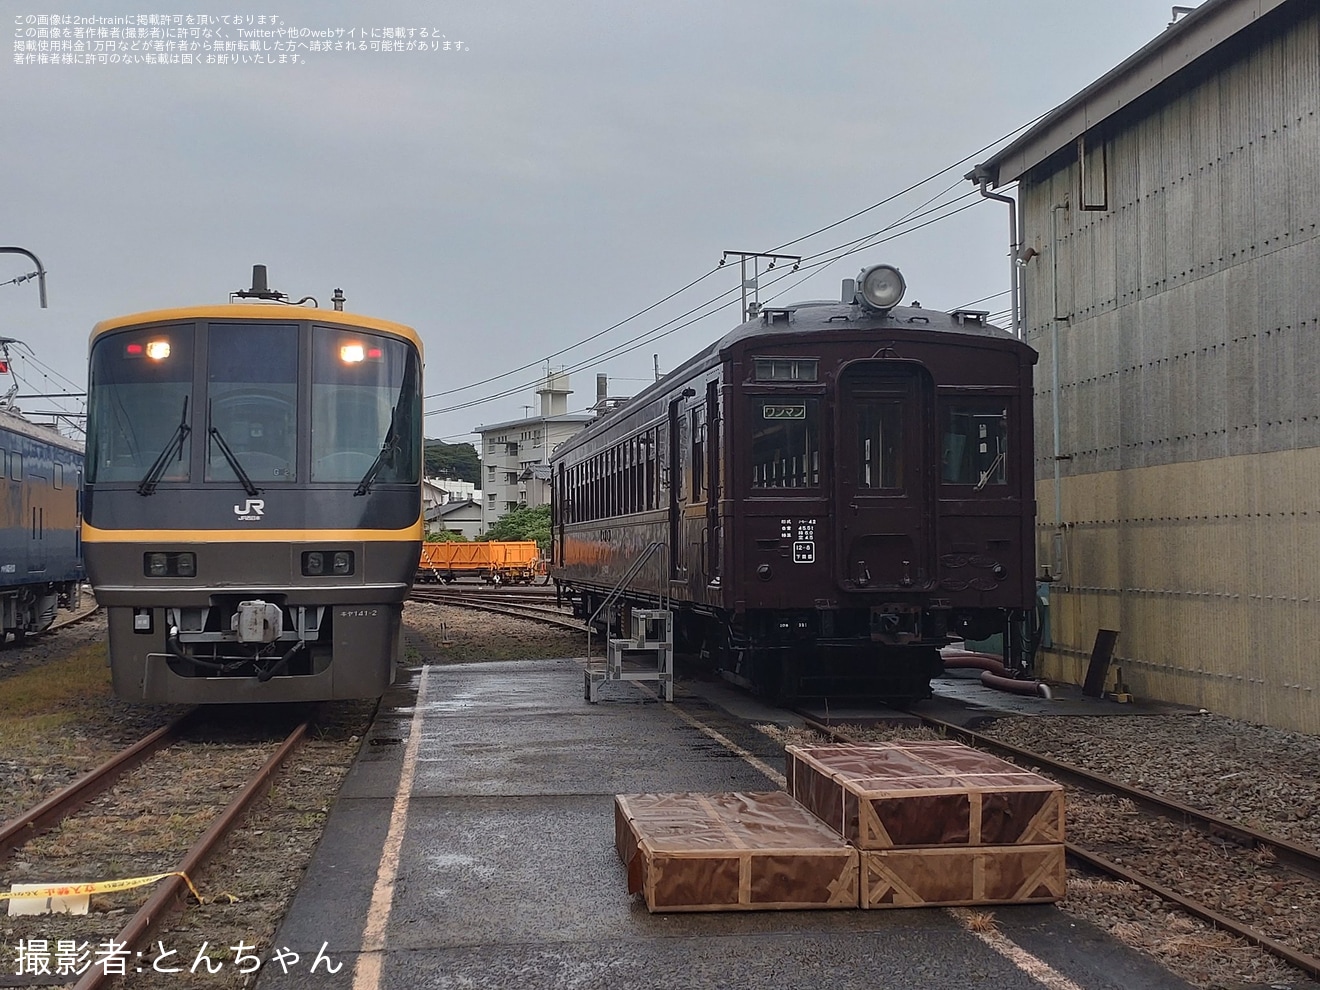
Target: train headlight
{"x": 159, "y": 565}
{"x": 158, "y": 350}
{"x": 880, "y": 287}
{"x": 352, "y": 353}
{"x": 316, "y": 563}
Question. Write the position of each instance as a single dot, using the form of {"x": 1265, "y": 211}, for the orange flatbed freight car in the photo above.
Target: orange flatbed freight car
{"x": 495, "y": 562}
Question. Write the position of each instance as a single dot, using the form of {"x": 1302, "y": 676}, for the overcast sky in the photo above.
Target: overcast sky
{"x": 564, "y": 165}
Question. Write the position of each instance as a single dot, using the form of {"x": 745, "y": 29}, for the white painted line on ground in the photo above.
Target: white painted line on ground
{"x": 367, "y": 971}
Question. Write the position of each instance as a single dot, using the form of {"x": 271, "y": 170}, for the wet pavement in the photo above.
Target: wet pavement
{"x": 494, "y": 864}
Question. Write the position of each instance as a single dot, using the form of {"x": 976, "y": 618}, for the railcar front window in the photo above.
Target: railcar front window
{"x": 252, "y": 395}
{"x": 366, "y": 408}
{"x": 785, "y": 443}
{"x": 975, "y": 445}
{"x": 139, "y": 407}
{"x": 880, "y": 444}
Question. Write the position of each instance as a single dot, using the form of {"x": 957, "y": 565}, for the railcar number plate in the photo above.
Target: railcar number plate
{"x": 798, "y": 411}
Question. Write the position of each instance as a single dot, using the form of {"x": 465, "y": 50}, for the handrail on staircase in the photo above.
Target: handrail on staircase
{"x": 621, "y": 584}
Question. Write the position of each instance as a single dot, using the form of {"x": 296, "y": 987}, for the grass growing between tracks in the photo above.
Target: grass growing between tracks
{"x": 54, "y": 689}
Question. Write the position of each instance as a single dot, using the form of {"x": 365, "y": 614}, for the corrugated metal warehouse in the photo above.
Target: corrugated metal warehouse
{"x": 1172, "y": 287}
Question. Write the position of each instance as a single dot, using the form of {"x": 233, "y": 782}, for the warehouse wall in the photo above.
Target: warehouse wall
{"x": 1186, "y": 315}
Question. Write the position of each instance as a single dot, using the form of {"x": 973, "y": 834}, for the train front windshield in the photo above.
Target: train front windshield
{"x": 145, "y": 409}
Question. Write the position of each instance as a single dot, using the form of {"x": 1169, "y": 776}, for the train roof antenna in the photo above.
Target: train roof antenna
{"x": 260, "y": 290}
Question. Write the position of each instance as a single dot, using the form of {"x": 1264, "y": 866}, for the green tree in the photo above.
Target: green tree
{"x": 455, "y": 461}
{"x": 445, "y": 536}
{"x": 523, "y": 524}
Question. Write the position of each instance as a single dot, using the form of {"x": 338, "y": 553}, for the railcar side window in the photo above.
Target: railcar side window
{"x": 252, "y": 397}
{"x": 785, "y": 442}
{"x": 366, "y": 408}
{"x": 975, "y": 444}
{"x": 880, "y": 443}
{"x": 139, "y": 404}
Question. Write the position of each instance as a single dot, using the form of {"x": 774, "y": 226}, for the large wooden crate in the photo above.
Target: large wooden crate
{"x": 910, "y": 793}
{"x": 955, "y": 875}
{"x": 732, "y": 852}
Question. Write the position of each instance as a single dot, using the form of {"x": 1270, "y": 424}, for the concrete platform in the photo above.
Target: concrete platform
{"x": 507, "y": 875}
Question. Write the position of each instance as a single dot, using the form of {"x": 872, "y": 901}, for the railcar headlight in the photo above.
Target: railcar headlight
{"x": 352, "y": 353}
{"x": 316, "y": 563}
{"x": 158, "y": 350}
{"x": 169, "y": 564}
{"x": 880, "y": 287}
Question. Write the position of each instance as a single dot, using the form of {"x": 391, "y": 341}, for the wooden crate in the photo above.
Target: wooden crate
{"x": 731, "y": 852}
{"x": 910, "y": 793}
{"x": 967, "y": 876}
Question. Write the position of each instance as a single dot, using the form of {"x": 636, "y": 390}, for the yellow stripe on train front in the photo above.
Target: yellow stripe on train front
{"x": 91, "y": 534}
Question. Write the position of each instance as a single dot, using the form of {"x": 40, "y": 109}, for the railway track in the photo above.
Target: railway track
{"x": 503, "y": 605}
{"x": 1259, "y": 860}
{"x": 166, "y": 789}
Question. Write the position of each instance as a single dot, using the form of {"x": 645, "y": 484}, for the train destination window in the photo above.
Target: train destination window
{"x": 252, "y": 402}
{"x": 974, "y": 448}
{"x": 366, "y": 412}
{"x": 139, "y": 405}
{"x": 784, "y": 369}
{"x": 785, "y": 442}
{"x": 879, "y": 443}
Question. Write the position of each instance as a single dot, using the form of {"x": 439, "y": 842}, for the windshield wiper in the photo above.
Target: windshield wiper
{"x": 387, "y": 447}
{"x": 242, "y": 475}
{"x": 151, "y": 479}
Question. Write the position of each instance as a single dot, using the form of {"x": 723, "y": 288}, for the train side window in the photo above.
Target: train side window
{"x": 15, "y": 466}
{"x": 785, "y": 442}
{"x": 880, "y": 444}
{"x": 698, "y": 453}
{"x": 4, "y": 463}
{"x": 974, "y": 445}
{"x": 59, "y": 476}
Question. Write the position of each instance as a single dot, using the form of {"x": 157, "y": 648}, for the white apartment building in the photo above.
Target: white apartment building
{"x": 515, "y": 455}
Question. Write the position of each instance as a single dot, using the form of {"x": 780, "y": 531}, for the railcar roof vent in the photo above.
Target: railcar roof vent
{"x": 772, "y": 315}
{"x": 961, "y": 316}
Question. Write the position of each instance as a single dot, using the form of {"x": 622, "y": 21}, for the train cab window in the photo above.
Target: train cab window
{"x": 880, "y": 444}
{"x": 15, "y": 466}
{"x": 366, "y": 408}
{"x": 785, "y": 442}
{"x": 974, "y": 449}
{"x": 58, "y": 479}
{"x": 139, "y": 405}
{"x": 252, "y": 402}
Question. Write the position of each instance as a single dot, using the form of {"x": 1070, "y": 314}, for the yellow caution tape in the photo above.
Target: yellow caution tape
{"x": 100, "y": 887}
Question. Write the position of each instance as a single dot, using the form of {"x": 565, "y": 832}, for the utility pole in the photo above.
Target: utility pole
{"x": 756, "y": 257}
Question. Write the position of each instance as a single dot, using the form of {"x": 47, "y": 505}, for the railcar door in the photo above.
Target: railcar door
{"x": 884, "y": 477}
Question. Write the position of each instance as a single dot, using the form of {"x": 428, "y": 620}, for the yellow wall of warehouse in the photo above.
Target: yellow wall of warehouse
{"x": 1210, "y": 572}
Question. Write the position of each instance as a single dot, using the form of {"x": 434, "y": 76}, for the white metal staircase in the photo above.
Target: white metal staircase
{"x": 646, "y": 654}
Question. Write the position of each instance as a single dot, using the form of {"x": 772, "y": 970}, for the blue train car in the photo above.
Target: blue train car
{"x": 40, "y": 524}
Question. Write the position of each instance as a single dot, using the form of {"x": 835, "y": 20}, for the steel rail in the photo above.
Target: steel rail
{"x": 1301, "y": 960}
{"x": 516, "y": 613}
{"x": 1302, "y": 858}
{"x": 58, "y": 806}
{"x": 164, "y": 897}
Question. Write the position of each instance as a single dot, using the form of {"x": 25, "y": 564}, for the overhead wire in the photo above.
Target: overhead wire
{"x": 646, "y": 337}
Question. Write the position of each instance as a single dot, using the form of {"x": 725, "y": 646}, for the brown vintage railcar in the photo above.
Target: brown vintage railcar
{"x": 832, "y": 492}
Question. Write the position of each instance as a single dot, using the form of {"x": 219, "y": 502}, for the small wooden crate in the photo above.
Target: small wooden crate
{"x": 960, "y": 875}
{"x": 911, "y": 793}
{"x": 731, "y": 852}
